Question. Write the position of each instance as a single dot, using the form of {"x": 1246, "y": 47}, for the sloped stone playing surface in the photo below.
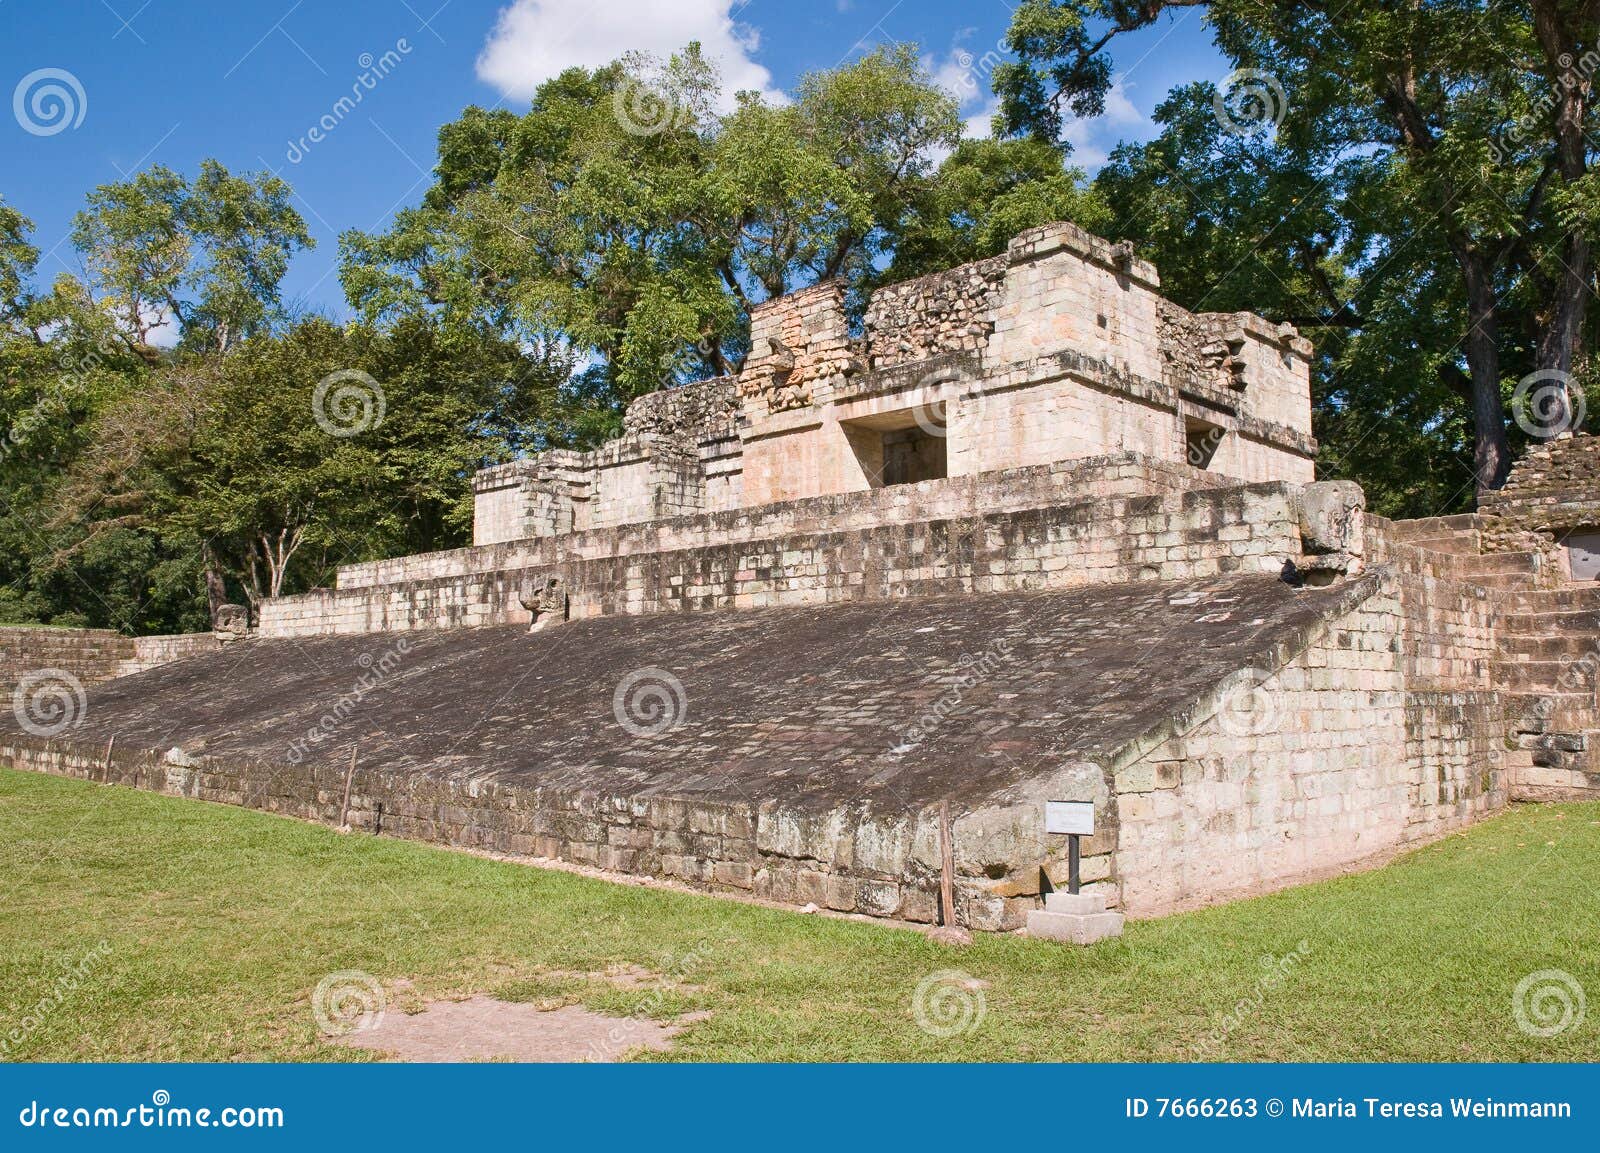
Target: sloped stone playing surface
{"x": 911, "y": 701}
{"x": 801, "y": 755}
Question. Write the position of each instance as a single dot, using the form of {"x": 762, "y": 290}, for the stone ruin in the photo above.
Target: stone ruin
{"x": 1032, "y": 534}
{"x": 1061, "y": 349}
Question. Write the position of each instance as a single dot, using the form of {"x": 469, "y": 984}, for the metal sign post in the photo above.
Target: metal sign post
{"x": 1075, "y": 819}
{"x": 1079, "y": 918}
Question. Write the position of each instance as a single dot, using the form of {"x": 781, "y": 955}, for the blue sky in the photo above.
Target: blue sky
{"x": 175, "y": 81}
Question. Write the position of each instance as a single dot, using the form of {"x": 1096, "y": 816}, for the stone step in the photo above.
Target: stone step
{"x": 1499, "y": 563}
{"x": 1551, "y": 712}
{"x": 1510, "y": 582}
{"x": 1565, "y": 598}
{"x": 1539, "y": 624}
{"x": 1461, "y": 544}
{"x": 1551, "y": 646}
{"x": 1410, "y": 530}
{"x": 1541, "y": 677}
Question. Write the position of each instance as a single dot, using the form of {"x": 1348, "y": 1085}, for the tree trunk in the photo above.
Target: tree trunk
{"x": 1561, "y": 35}
{"x": 216, "y": 588}
{"x": 1491, "y": 456}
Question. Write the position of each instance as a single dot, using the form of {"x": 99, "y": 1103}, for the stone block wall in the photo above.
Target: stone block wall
{"x": 885, "y": 866}
{"x": 1066, "y": 289}
{"x": 1552, "y": 490}
{"x": 154, "y": 651}
{"x": 90, "y": 655}
{"x": 1381, "y": 733}
{"x": 1007, "y": 490}
{"x": 735, "y": 561}
{"x": 1062, "y": 348}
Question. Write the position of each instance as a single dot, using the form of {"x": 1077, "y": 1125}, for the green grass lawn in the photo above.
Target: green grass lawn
{"x": 218, "y": 923}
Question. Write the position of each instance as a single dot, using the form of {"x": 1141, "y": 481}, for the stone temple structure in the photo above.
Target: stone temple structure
{"x": 1033, "y": 533}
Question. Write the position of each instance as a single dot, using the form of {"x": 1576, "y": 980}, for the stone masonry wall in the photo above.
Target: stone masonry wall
{"x": 886, "y": 868}
{"x": 90, "y": 655}
{"x": 999, "y": 491}
{"x": 1553, "y": 489}
{"x": 1179, "y": 536}
{"x": 946, "y": 312}
{"x": 1382, "y": 733}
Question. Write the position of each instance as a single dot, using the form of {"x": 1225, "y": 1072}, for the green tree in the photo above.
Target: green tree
{"x": 624, "y": 218}
{"x": 207, "y": 255}
{"x": 303, "y": 451}
{"x": 1455, "y": 137}
{"x": 985, "y": 193}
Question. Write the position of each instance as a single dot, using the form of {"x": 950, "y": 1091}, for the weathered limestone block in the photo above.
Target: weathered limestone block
{"x": 546, "y": 599}
{"x": 1076, "y": 918}
{"x": 231, "y": 623}
{"x": 1332, "y": 516}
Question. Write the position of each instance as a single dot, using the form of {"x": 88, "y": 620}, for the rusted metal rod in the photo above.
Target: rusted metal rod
{"x": 947, "y": 867}
{"x": 349, "y": 775}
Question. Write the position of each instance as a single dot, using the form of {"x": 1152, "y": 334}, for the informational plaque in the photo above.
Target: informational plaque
{"x": 1069, "y": 817}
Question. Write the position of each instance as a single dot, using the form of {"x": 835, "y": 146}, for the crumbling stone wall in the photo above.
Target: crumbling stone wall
{"x": 686, "y": 415}
{"x": 946, "y": 312}
{"x": 1553, "y": 489}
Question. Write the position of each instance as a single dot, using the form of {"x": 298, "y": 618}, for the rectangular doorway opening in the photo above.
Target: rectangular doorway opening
{"x": 901, "y": 447}
{"x": 1201, "y": 440}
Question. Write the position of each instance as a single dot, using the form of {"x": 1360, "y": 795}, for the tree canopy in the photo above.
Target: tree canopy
{"x": 1409, "y": 185}
{"x": 1409, "y": 182}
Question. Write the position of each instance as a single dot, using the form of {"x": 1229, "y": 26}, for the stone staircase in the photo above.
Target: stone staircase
{"x": 1548, "y": 675}
{"x": 1548, "y": 669}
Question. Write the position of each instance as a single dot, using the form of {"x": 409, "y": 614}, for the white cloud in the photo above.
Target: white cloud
{"x": 1093, "y": 140}
{"x": 534, "y": 40}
